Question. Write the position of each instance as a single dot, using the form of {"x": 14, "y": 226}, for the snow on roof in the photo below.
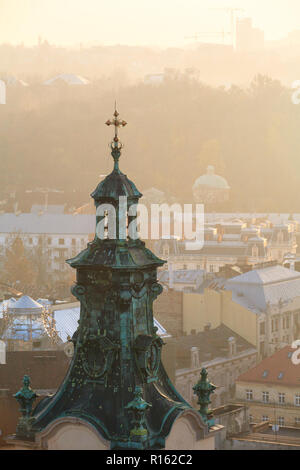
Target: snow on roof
{"x": 267, "y": 275}
{"x": 26, "y": 302}
{"x": 14, "y": 81}
{"x": 69, "y": 79}
{"x": 44, "y": 302}
{"x": 67, "y": 323}
{"x": 50, "y": 209}
{"x": 81, "y": 224}
{"x": 260, "y": 288}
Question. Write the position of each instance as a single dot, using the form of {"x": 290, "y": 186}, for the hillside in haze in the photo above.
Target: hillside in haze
{"x": 55, "y": 137}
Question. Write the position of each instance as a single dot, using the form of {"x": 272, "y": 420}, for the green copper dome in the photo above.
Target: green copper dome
{"x": 115, "y": 185}
{"x": 211, "y": 180}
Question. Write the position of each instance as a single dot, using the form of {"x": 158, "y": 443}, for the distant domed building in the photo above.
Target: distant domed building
{"x": 211, "y": 188}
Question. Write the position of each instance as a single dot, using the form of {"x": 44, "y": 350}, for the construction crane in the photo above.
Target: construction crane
{"x": 209, "y": 34}
{"x": 45, "y": 191}
{"x": 232, "y": 12}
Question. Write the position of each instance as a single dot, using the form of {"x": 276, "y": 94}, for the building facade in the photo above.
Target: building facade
{"x": 55, "y": 237}
{"x": 223, "y": 353}
{"x": 262, "y": 306}
{"x": 271, "y": 390}
{"x": 230, "y": 243}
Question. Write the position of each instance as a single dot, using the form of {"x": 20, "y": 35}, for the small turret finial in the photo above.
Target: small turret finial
{"x": 25, "y": 397}
{"x": 116, "y": 145}
{"x": 203, "y": 389}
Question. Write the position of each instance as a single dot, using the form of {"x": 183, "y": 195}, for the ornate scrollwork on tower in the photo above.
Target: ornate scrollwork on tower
{"x": 98, "y": 355}
{"x": 148, "y": 356}
{"x": 156, "y": 290}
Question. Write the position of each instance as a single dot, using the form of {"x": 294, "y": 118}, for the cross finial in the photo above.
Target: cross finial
{"x": 116, "y": 145}
{"x": 116, "y": 122}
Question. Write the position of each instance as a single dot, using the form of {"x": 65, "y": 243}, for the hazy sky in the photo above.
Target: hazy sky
{"x": 153, "y": 22}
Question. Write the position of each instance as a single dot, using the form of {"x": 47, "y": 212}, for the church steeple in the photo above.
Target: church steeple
{"x": 116, "y": 382}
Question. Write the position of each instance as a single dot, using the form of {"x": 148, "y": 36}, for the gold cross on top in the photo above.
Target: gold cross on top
{"x": 117, "y": 123}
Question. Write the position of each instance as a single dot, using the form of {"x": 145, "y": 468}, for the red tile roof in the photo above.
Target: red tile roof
{"x": 276, "y": 369}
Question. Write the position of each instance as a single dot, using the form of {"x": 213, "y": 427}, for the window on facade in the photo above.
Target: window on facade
{"x": 61, "y": 241}
{"x": 297, "y": 421}
{"x": 286, "y": 322}
{"x": 30, "y": 241}
{"x": 262, "y": 328}
{"x": 275, "y": 324}
{"x": 73, "y": 241}
{"x": 262, "y": 348}
{"x": 297, "y": 399}
{"x": 211, "y": 268}
{"x": 281, "y": 398}
{"x": 265, "y": 373}
{"x": 255, "y": 251}
{"x": 166, "y": 251}
{"x": 49, "y": 241}
{"x": 265, "y": 397}
{"x": 280, "y": 375}
{"x": 265, "y": 418}
{"x": 249, "y": 395}
{"x": 280, "y": 421}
